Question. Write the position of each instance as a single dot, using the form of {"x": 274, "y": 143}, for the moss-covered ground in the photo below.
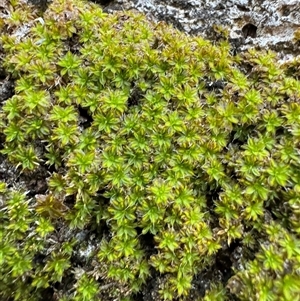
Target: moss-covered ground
{"x": 139, "y": 163}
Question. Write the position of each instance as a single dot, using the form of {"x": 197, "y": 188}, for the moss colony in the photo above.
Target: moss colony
{"x": 174, "y": 165}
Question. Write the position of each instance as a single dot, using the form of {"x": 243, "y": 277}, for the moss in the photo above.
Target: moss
{"x": 164, "y": 152}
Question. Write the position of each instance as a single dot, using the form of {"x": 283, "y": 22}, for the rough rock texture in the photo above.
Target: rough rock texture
{"x": 264, "y": 23}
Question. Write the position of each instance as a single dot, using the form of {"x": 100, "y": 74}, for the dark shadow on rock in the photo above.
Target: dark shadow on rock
{"x": 135, "y": 97}
{"x": 86, "y": 118}
{"x": 249, "y": 30}
{"x": 6, "y": 90}
{"x": 103, "y": 2}
{"x": 41, "y": 5}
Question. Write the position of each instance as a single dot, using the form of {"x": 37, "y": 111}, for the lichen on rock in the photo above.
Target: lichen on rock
{"x": 273, "y": 22}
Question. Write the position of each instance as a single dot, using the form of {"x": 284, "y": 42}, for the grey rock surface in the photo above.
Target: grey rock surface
{"x": 264, "y": 23}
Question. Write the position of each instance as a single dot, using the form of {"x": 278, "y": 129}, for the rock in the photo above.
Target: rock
{"x": 6, "y": 89}
{"x": 266, "y": 24}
